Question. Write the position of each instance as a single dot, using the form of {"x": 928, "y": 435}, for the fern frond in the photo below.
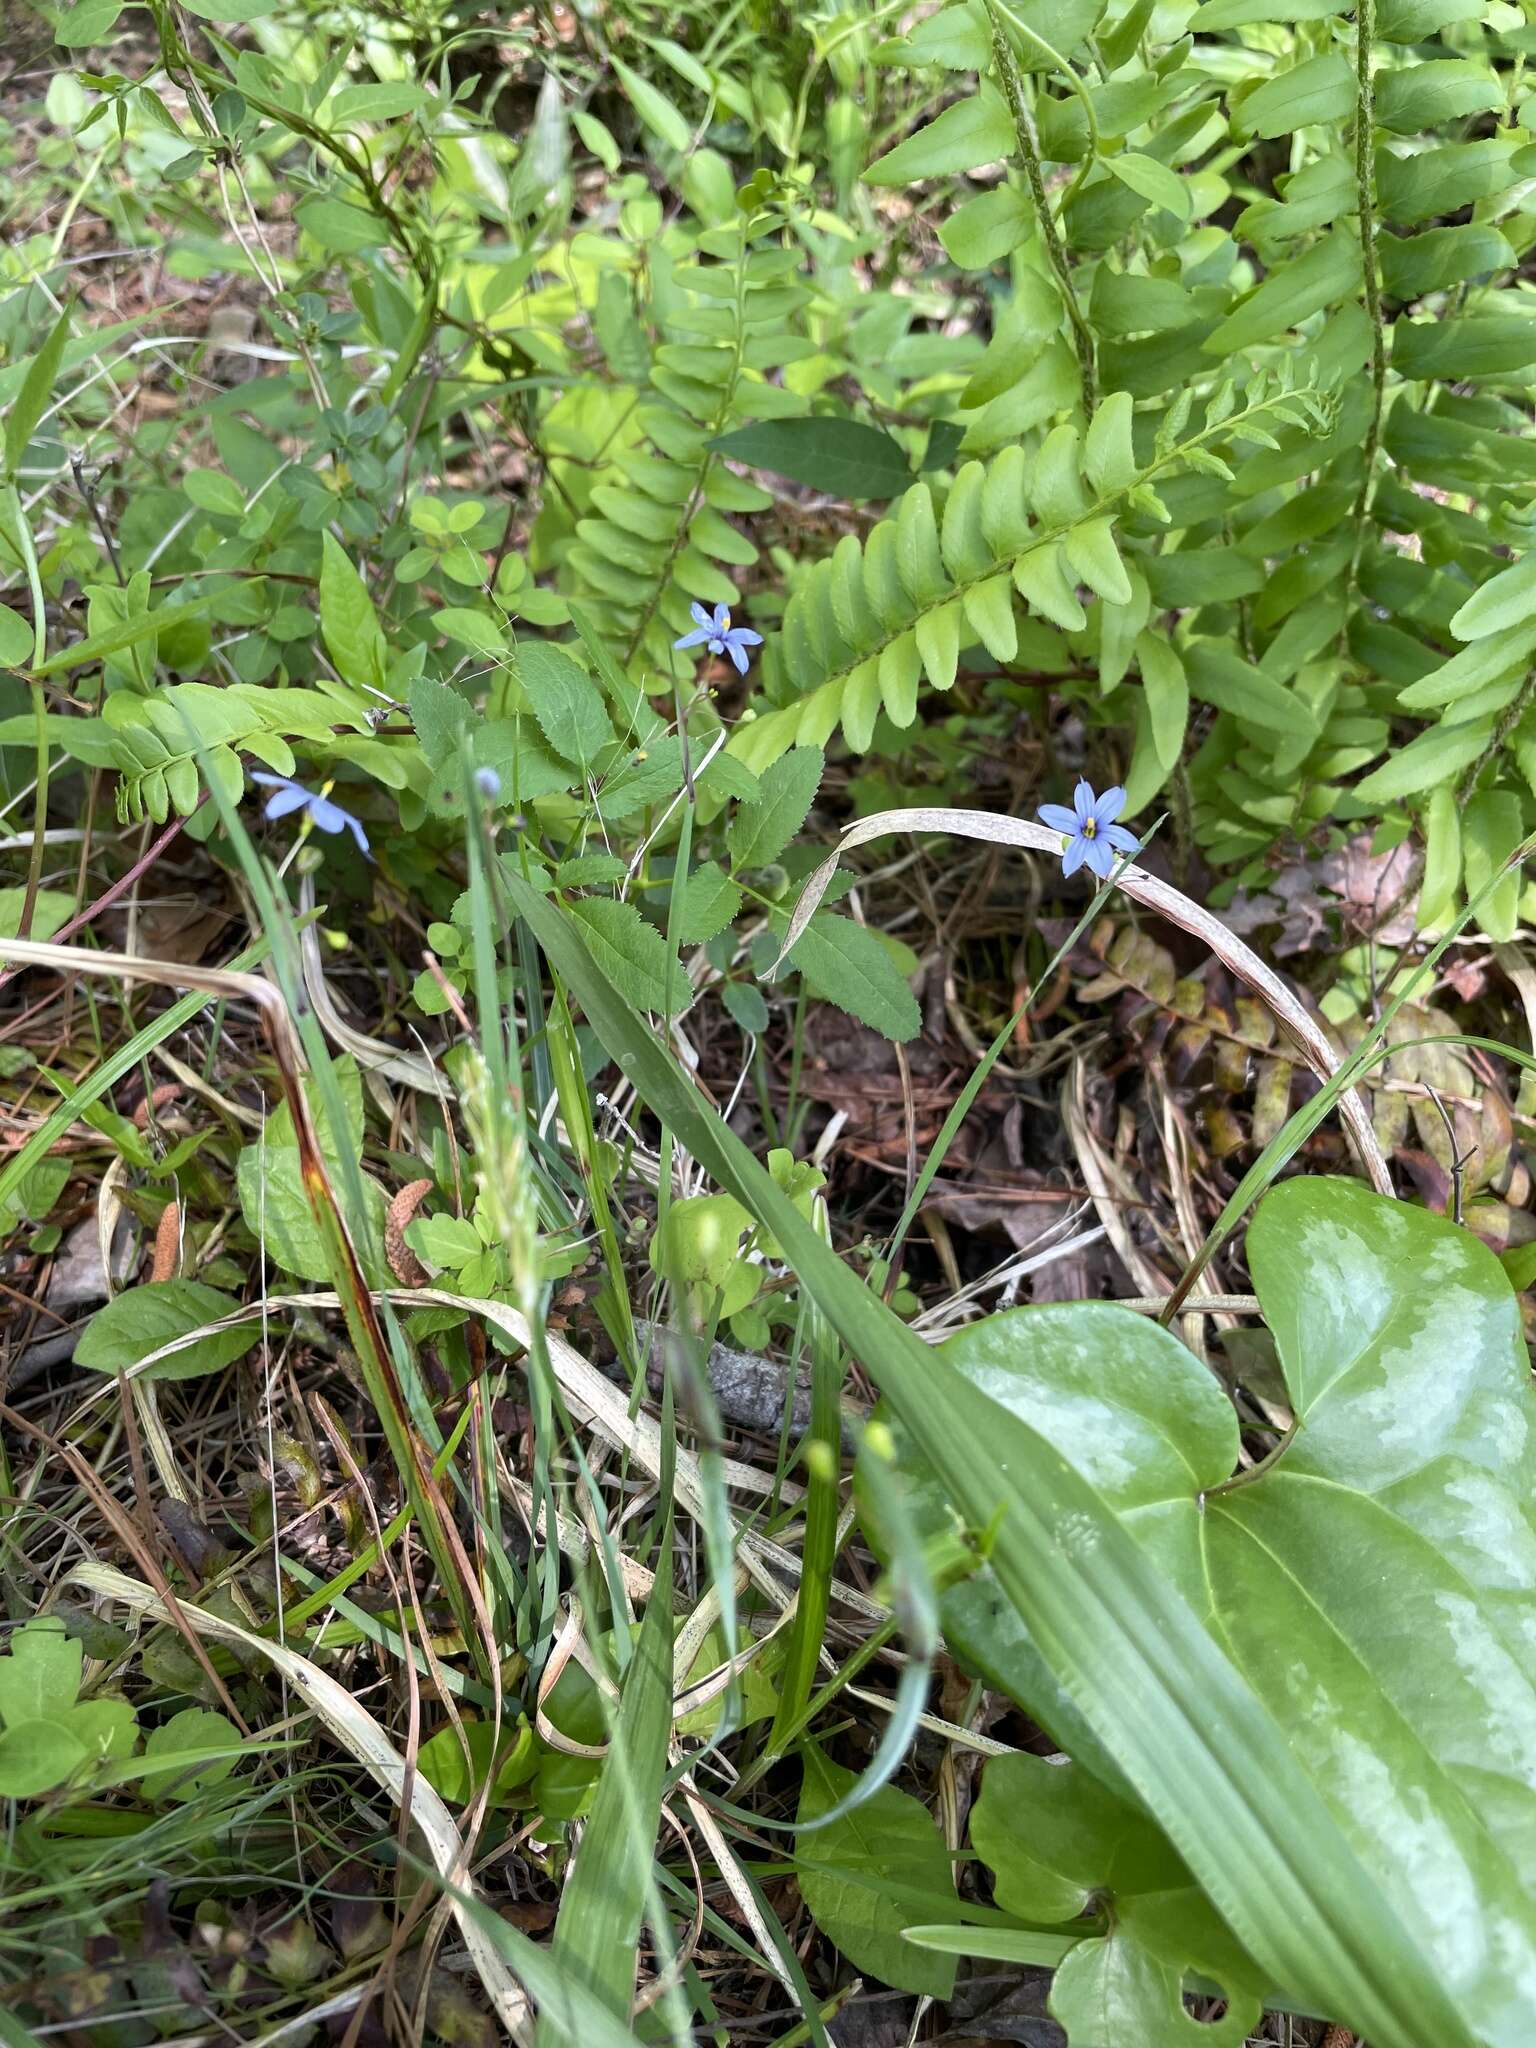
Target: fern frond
{"x": 660, "y": 533}
{"x": 866, "y": 626}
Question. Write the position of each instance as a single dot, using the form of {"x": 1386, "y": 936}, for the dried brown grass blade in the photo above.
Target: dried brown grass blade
{"x": 1157, "y": 895}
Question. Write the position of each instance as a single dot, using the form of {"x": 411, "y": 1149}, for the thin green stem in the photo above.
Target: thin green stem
{"x": 1365, "y": 194}
{"x": 1029, "y": 150}
{"x": 16, "y": 519}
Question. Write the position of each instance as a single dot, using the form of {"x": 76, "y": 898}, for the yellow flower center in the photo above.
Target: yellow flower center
{"x": 1090, "y": 827}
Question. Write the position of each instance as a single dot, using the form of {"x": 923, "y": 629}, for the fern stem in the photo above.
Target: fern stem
{"x": 1029, "y": 151}
{"x": 1365, "y": 192}
{"x": 1513, "y": 713}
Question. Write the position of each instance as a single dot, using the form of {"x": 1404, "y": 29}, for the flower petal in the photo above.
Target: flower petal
{"x": 328, "y": 817}
{"x": 1083, "y": 800}
{"x": 354, "y": 826}
{"x": 274, "y": 781}
{"x": 746, "y": 636}
{"x": 289, "y": 798}
{"x": 722, "y": 618}
{"x": 1074, "y": 856}
{"x": 1058, "y": 817}
{"x": 697, "y": 637}
{"x": 1121, "y": 840}
{"x": 1109, "y": 806}
{"x": 699, "y": 614}
{"x": 738, "y": 654}
{"x": 1101, "y": 857}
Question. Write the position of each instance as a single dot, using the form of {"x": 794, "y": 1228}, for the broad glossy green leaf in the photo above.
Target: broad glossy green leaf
{"x": 873, "y": 1872}
{"x": 1425, "y": 94}
{"x": 1390, "y": 1539}
{"x": 1110, "y": 1993}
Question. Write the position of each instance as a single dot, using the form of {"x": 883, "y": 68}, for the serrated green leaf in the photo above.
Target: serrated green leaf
{"x": 633, "y": 953}
{"x": 566, "y": 702}
{"x": 710, "y": 900}
{"x": 850, "y": 966}
{"x": 761, "y": 830}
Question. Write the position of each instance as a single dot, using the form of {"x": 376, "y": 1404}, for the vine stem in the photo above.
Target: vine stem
{"x": 1029, "y": 151}
{"x": 1365, "y": 193}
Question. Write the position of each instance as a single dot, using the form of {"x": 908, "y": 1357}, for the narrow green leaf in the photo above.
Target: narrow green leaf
{"x": 843, "y": 457}
{"x": 597, "y": 1935}
{"x": 30, "y": 401}
{"x": 1504, "y": 601}
{"x": 352, "y": 635}
{"x": 971, "y": 133}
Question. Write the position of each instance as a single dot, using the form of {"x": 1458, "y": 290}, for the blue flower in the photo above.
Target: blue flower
{"x": 323, "y": 814}
{"x": 720, "y": 636}
{"x": 488, "y": 782}
{"x": 1092, "y": 834}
